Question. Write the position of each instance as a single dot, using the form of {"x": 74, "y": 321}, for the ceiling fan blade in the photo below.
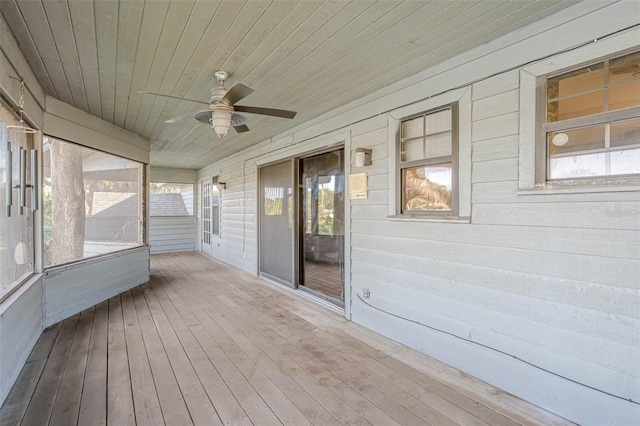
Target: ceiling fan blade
{"x": 180, "y": 118}
{"x": 241, "y": 128}
{"x": 238, "y": 120}
{"x": 174, "y": 97}
{"x": 238, "y": 91}
{"x": 203, "y": 116}
{"x": 265, "y": 111}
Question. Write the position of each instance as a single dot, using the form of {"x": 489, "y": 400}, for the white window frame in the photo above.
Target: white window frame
{"x": 462, "y": 191}
{"x": 532, "y": 155}
{"x": 215, "y": 224}
{"x": 205, "y": 203}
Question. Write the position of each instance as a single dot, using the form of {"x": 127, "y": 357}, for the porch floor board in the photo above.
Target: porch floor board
{"x": 204, "y": 343}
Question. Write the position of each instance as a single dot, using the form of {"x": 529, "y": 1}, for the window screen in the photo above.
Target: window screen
{"x": 93, "y": 202}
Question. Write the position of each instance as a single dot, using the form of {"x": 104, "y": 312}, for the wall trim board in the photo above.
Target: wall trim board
{"x": 71, "y": 124}
{"x": 169, "y": 175}
{"x": 297, "y": 149}
{"x": 13, "y": 63}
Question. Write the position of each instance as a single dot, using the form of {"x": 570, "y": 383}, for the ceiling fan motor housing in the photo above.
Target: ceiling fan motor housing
{"x": 217, "y": 94}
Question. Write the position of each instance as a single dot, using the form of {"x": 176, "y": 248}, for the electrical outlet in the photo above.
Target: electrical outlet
{"x": 366, "y": 293}
{"x": 244, "y": 254}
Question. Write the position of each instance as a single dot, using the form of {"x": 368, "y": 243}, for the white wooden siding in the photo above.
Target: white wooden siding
{"x": 165, "y": 174}
{"x": 172, "y": 234}
{"x": 66, "y": 122}
{"x": 20, "y": 327}
{"x": 187, "y": 196}
{"x": 71, "y": 289}
{"x": 551, "y": 279}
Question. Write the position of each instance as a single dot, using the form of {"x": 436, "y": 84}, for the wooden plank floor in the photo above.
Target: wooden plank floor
{"x": 324, "y": 277}
{"x": 204, "y": 343}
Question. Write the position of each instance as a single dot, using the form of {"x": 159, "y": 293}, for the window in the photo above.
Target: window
{"x": 16, "y": 228}
{"x": 215, "y": 207}
{"x": 428, "y": 162}
{"x": 170, "y": 199}
{"x": 591, "y": 124}
{"x": 206, "y": 212}
{"x": 93, "y": 202}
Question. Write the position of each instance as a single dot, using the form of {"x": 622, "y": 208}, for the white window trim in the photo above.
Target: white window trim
{"x": 463, "y": 98}
{"x": 532, "y": 159}
{"x": 215, "y": 182}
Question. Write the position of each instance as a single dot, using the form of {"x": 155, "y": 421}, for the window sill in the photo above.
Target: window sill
{"x": 580, "y": 187}
{"x": 430, "y": 219}
{"x": 54, "y": 269}
{"x": 10, "y": 294}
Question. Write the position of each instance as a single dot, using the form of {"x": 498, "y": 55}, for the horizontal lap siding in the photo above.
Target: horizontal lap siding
{"x": 551, "y": 279}
{"x": 172, "y": 234}
{"x": 20, "y": 327}
{"x": 69, "y": 290}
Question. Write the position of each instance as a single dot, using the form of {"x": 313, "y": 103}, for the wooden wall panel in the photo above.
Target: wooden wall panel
{"x": 20, "y": 327}
{"x": 172, "y": 234}
{"x": 63, "y": 121}
{"x": 71, "y": 289}
{"x": 13, "y": 65}
{"x": 164, "y": 174}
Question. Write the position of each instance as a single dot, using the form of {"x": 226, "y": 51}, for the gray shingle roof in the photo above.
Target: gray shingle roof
{"x": 170, "y": 204}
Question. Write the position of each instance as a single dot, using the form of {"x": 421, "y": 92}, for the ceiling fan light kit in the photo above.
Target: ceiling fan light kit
{"x": 221, "y": 114}
{"x": 221, "y": 121}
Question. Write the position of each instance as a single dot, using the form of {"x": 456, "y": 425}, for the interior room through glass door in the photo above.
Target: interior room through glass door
{"x": 321, "y": 240}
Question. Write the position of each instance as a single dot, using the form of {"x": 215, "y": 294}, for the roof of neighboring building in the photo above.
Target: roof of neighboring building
{"x": 170, "y": 204}
{"x": 114, "y": 204}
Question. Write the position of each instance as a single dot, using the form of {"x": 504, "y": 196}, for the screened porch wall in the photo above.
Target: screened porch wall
{"x": 24, "y": 314}
{"x": 551, "y": 279}
{"x": 21, "y": 314}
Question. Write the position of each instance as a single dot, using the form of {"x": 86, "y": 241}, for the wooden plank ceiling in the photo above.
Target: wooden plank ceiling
{"x": 308, "y": 56}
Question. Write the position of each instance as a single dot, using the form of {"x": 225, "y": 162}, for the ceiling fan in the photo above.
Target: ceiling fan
{"x": 221, "y": 114}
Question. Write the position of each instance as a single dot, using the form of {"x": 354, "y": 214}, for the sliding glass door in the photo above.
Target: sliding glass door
{"x": 321, "y": 231}
{"x": 302, "y": 232}
{"x": 277, "y": 222}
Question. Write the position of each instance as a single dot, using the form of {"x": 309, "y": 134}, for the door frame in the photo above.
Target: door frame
{"x": 310, "y": 148}
{"x": 300, "y": 228}
{"x": 205, "y": 247}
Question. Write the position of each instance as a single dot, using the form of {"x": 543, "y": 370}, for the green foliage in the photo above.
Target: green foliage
{"x": 46, "y": 213}
{"x": 325, "y": 225}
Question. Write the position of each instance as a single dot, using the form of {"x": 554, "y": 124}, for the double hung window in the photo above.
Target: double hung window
{"x": 591, "y": 120}
{"x": 428, "y": 162}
